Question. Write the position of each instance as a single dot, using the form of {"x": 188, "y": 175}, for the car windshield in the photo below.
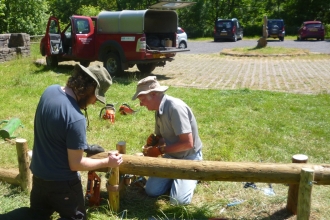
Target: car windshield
{"x": 224, "y": 24}
{"x": 313, "y": 25}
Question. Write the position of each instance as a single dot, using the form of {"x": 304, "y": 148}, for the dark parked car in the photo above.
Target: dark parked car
{"x": 276, "y": 28}
{"x": 229, "y": 29}
{"x": 311, "y": 29}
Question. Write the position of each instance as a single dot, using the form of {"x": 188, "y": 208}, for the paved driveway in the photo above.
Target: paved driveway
{"x": 201, "y": 47}
{"x": 211, "y": 71}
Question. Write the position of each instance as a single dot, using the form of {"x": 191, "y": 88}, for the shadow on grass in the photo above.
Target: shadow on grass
{"x": 136, "y": 204}
{"x": 280, "y": 214}
{"x": 21, "y": 213}
{"x": 255, "y": 48}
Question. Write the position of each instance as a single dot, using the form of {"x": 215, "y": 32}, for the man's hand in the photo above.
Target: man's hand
{"x": 151, "y": 151}
{"x": 115, "y": 159}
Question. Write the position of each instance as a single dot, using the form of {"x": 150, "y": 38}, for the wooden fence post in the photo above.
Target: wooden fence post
{"x": 121, "y": 147}
{"x": 292, "y": 202}
{"x": 23, "y": 164}
{"x": 113, "y": 188}
{"x": 305, "y": 193}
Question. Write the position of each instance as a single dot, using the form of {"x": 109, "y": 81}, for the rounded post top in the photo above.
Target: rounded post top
{"x": 299, "y": 158}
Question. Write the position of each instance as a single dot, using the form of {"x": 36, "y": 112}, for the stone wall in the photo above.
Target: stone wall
{"x": 13, "y": 46}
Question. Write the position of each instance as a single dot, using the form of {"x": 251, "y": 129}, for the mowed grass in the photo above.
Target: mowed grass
{"x": 256, "y": 51}
{"x": 234, "y": 125}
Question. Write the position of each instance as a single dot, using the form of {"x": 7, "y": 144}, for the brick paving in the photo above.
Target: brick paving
{"x": 211, "y": 71}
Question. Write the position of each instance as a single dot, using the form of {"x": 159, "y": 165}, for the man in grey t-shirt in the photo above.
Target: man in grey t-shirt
{"x": 176, "y": 126}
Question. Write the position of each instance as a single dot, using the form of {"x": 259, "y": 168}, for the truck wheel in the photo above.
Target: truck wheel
{"x": 146, "y": 67}
{"x": 51, "y": 61}
{"x": 84, "y": 63}
{"x": 112, "y": 64}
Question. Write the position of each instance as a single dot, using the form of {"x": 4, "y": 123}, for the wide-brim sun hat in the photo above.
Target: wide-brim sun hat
{"x": 147, "y": 85}
{"x": 102, "y": 78}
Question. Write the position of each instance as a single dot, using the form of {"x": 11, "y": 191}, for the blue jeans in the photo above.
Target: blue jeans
{"x": 181, "y": 190}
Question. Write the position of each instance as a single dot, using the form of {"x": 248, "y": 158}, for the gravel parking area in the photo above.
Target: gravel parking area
{"x": 211, "y": 71}
{"x": 203, "y": 68}
{"x": 206, "y": 47}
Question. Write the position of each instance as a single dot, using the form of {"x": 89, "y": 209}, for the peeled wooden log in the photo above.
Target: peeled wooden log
{"x": 219, "y": 171}
{"x": 24, "y": 164}
{"x": 10, "y": 176}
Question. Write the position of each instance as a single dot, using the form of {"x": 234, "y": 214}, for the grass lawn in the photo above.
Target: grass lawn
{"x": 234, "y": 125}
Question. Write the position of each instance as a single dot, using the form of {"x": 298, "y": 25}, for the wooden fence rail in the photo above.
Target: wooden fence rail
{"x": 220, "y": 171}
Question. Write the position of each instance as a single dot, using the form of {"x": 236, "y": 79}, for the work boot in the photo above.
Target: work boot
{"x": 93, "y": 149}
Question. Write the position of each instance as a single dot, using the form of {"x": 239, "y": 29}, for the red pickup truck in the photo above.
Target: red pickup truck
{"x": 119, "y": 39}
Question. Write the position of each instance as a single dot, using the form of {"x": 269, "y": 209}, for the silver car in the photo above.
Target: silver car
{"x": 182, "y": 39}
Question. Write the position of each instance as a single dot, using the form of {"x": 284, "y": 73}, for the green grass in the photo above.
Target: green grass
{"x": 237, "y": 125}
{"x": 266, "y": 51}
{"x": 287, "y": 37}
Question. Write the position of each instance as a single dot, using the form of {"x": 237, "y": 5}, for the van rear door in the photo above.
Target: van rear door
{"x": 171, "y": 5}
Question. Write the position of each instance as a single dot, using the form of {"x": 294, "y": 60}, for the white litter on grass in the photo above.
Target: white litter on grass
{"x": 268, "y": 191}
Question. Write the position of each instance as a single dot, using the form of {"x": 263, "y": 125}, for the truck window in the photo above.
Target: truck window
{"x": 53, "y": 27}
{"x": 82, "y": 27}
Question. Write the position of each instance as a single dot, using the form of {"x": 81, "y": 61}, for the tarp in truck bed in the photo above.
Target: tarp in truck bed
{"x": 137, "y": 21}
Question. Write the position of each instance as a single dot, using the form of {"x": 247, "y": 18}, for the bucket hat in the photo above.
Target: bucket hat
{"x": 148, "y": 84}
{"x": 102, "y": 78}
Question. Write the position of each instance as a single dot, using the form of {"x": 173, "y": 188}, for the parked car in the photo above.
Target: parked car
{"x": 311, "y": 29}
{"x": 182, "y": 38}
{"x": 276, "y": 28}
{"x": 229, "y": 29}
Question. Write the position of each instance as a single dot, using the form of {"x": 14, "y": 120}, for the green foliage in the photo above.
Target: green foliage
{"x": 2, "y": 8}
{"x": 197, "y": 20}
{"x": 29, "y": 19}
{"x": 3, "y": 23}
{"x": 327, "y": 31}
{"x": 134, "y": 4}
{"x": 89, "y": 10}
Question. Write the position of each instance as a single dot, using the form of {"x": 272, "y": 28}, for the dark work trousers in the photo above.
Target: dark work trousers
{"x": 63, "y": 197}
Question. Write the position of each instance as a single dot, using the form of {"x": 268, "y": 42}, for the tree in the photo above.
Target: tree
{"x": 30, "y": 19}
{"x": 3, "y": 23}
{"x": 297, "y": 11}
{"x": 88, "y": 10}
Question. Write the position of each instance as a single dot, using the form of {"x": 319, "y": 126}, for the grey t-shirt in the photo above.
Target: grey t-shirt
{"x": 174, "y": 118}
{"x": 58, "y": 125}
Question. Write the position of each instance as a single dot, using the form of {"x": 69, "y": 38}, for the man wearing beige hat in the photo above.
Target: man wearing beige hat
{"x": 60, "y": 141}
{"x": 175, "y": 123}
